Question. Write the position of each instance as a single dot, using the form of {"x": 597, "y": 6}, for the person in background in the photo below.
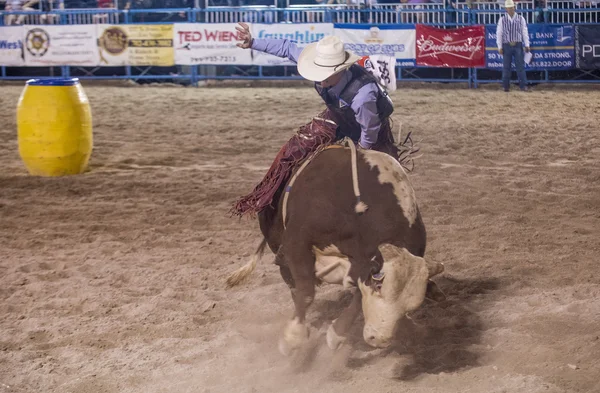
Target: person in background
{"x": 103, "y": 18}
{"x": 18, "y": 5}
{"x": 139, "y": 4}
{"x": 512, "y": 38}
{"x": 542, "y": 14}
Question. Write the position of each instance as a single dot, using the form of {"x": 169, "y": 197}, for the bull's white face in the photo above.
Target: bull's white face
{"x": 398, "y": 289}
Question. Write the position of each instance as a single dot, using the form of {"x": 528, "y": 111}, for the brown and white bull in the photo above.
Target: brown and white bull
{"x": 328, "y": 237}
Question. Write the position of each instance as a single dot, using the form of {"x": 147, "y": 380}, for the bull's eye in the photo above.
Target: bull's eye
{"x": 377, "y": 281}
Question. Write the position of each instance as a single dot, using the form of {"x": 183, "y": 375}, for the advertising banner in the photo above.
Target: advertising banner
{"x": 209, "y": 43}
{"x": 136, "y": 45}
{"x": 11, "y": 46}
{"x": 301, "y": 33}
{"x": 587, "y": 47}
{"x": 461, "y": 48}
{"x": 151, "y": 45}
{"x": 60, "y": 45}
{"x": 552, "y": 47}
{"x": 382, "y": 40}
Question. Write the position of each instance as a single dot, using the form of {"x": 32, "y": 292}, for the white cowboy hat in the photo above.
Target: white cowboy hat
{"x": 509, "y": 4}
{"x": 320, "y": 60}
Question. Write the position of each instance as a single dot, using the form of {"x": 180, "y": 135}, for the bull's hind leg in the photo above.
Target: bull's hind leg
{"x": 301, "y": 263}
{"x": 284, "y": 270}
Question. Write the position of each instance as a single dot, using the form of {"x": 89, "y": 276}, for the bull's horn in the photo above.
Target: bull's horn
{"x": 244, "y": 272}
{"x": 434, "y": 268}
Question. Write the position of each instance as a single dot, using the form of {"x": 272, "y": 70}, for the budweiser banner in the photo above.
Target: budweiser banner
{"x": 391, "y": 40}
{"x": 588, "y": 47}
{"x": 551, "y": 46}
{"x": 381, "y": 67}
{"x": 457, "y": 48}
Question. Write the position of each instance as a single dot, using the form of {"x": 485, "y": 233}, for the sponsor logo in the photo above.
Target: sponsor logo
{"x": 590, "y": 50}
{"x": 189, "y": 40}
{"x": 372, "y": 36}
{"x": 113, "y": 40}
{"x": 8, "y": 45}
{"x": 301, "y": 37}
{"x": 463, "y": 49}
{"x": 37, "y": 42}
{"x": 185, "y": 37}
{"x": 562, "y": 36}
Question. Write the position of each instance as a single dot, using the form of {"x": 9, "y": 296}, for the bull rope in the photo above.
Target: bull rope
{"x": 360, "y": 206}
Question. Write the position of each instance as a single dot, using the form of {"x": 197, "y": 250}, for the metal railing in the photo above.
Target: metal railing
{"x": 430, "y": 14}
{"x": 487, "y": 13}
{"x": 249, "y": 14}
{"x": 570, "y": 12}
{"x": 375, "y": 14}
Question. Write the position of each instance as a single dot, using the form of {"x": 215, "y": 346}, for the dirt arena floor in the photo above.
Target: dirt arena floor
{"x": 113, "y": 281}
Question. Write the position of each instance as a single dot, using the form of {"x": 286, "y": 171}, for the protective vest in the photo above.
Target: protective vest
{"x": 345, "y": 116}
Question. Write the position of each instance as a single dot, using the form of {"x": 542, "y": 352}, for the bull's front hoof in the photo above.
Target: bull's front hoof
{"x": 334, "y": 340}
{"x": 284, "y": 348}
{"x": 295, "y": 335}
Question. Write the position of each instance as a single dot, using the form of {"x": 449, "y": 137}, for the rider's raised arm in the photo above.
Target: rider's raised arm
{"x": 277, "y": 47}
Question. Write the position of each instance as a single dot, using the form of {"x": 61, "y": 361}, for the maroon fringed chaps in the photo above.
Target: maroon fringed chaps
{"x": 315, "y": 135}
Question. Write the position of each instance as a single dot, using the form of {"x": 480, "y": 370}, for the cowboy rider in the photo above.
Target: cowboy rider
{"x": 356, "y": 102}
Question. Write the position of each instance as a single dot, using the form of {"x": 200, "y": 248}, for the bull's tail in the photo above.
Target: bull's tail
{"x": 242, "y": 273}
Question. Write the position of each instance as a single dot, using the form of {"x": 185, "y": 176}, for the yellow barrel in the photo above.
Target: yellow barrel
{"x": 54, "y": 124}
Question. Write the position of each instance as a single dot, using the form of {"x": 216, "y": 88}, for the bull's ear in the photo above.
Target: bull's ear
{"x": 415, "y": 287}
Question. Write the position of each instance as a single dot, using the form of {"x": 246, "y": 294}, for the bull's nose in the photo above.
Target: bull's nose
{"x": 374, "y": 339}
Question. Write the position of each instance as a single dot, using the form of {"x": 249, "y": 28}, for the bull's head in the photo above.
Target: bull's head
{"x": 399, "y": 287}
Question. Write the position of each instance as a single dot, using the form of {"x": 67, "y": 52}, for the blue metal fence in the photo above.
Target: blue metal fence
{"x": 430, "y": 14}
